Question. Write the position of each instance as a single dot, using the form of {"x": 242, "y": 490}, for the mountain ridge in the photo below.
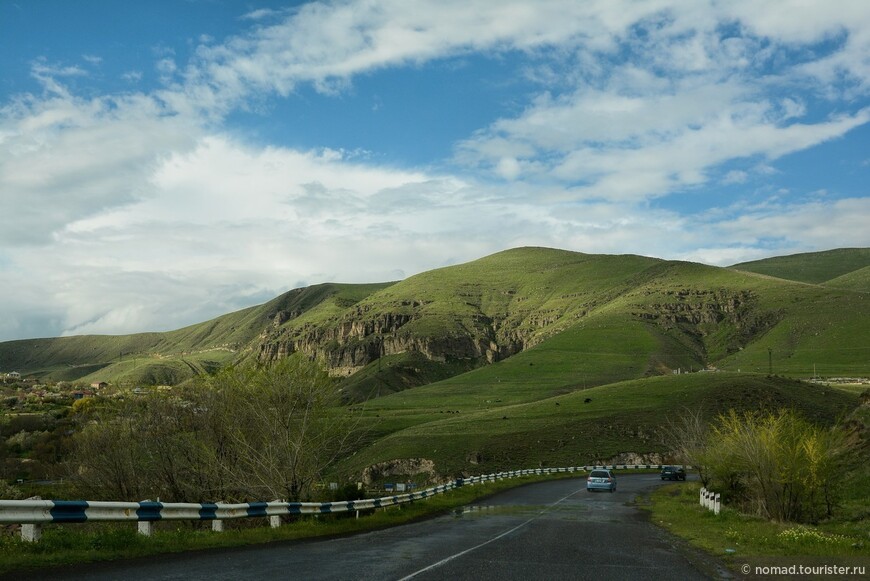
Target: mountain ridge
{"x": 450, "y": 320}
{"x": 811, "y": 267}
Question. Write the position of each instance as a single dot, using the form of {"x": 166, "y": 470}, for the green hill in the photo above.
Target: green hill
{"x": 171, "y": 357}
{"x": 646, "y": 317}
{"x": 557, "y": 320}
{"x": 857, "y": 280}
{"x": 811, "y": 267}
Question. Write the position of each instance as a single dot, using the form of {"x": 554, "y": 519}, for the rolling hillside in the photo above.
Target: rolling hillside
{"x": 173, "y": 356}
{"x": 857, "y": 280}
{"x": 553, "y": 319}
{"x": 812, "y": 267}
{"x": 619, "y": 422}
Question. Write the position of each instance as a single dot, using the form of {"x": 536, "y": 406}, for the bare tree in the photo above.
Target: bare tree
{"x": 248, "y": 433}
{"x": 108, "y": 455}
{"x": 686, "y": 436}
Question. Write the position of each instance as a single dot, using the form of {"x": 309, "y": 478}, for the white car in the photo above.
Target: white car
{"x": 601, "y": 479}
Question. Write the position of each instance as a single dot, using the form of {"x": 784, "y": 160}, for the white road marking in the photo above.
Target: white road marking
{"x": 466, "y": 551}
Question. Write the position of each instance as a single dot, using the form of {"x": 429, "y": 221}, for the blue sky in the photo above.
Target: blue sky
{"x": 165, "y": 162}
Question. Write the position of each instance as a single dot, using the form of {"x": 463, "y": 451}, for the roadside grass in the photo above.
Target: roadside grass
{"x": 736, "y": 537}
{"x": 76, "y": 544}
{"x": 853, "y": 388}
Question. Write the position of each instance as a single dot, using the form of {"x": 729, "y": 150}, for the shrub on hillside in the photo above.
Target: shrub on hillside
{"x": 777, "y": 465}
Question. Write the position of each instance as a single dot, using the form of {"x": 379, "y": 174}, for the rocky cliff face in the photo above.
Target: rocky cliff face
{"x": 733, "y": 316}
{"x": 356, "y": 339}
{"x": 714, "y": 322}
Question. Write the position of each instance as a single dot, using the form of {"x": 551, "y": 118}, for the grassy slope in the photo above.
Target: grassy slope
{"x": 857, "y": 280}
{"x": 171, "y": 356}
{"x": 823, "y": 333}
{"x": 811, "y": 267}
{"x": 804, "y": 326}
{"x": 602, "y": 314}
{"x": 526, "y": 290}
{"x": 510, "y": 427}
{"x": 462, "y": 415}
{"x": 525, "y": 296}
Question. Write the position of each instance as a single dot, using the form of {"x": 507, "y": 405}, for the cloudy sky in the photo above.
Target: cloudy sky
{"x": 163, "y": 162}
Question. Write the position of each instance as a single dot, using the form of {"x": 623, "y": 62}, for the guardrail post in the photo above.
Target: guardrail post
{"x": 717, "y": 504}
{"x": 34, "y": 512}
{"x": 31, "y": 533}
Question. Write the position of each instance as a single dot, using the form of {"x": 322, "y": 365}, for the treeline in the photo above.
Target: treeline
{"x": 776, "y": 465}
{"x": 247, "y": 433}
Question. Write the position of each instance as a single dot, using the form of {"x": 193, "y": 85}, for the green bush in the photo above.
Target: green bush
{"x": 776, "y": 465}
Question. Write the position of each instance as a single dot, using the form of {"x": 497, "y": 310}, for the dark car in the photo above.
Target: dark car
{"x": 673, "y": 473}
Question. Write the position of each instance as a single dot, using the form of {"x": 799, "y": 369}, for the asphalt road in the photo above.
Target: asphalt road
{"x": 549, "y": 530}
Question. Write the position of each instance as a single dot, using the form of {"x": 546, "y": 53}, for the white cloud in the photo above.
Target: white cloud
{"x": 63, "y": 158}
{"x": 149, "y": 202}
{"x": 687, "y": 98}
{"x": 260, "y": 14}
{"x": 735, "y": 177}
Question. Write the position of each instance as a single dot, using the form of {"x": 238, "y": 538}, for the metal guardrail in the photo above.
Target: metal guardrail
{"x": 31, "y": 514}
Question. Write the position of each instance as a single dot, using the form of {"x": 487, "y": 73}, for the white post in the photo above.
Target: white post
{"x": 146, "y": 528}
{"x": 701, "y": 499}
{"x": 217, "y": 526}
{"x": 31, "y": 533}
{"x": 717, "y": 504}
{"x": 275, "y": 521}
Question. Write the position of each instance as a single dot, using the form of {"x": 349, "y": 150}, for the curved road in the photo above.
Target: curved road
{"x": 548, "y": 530}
